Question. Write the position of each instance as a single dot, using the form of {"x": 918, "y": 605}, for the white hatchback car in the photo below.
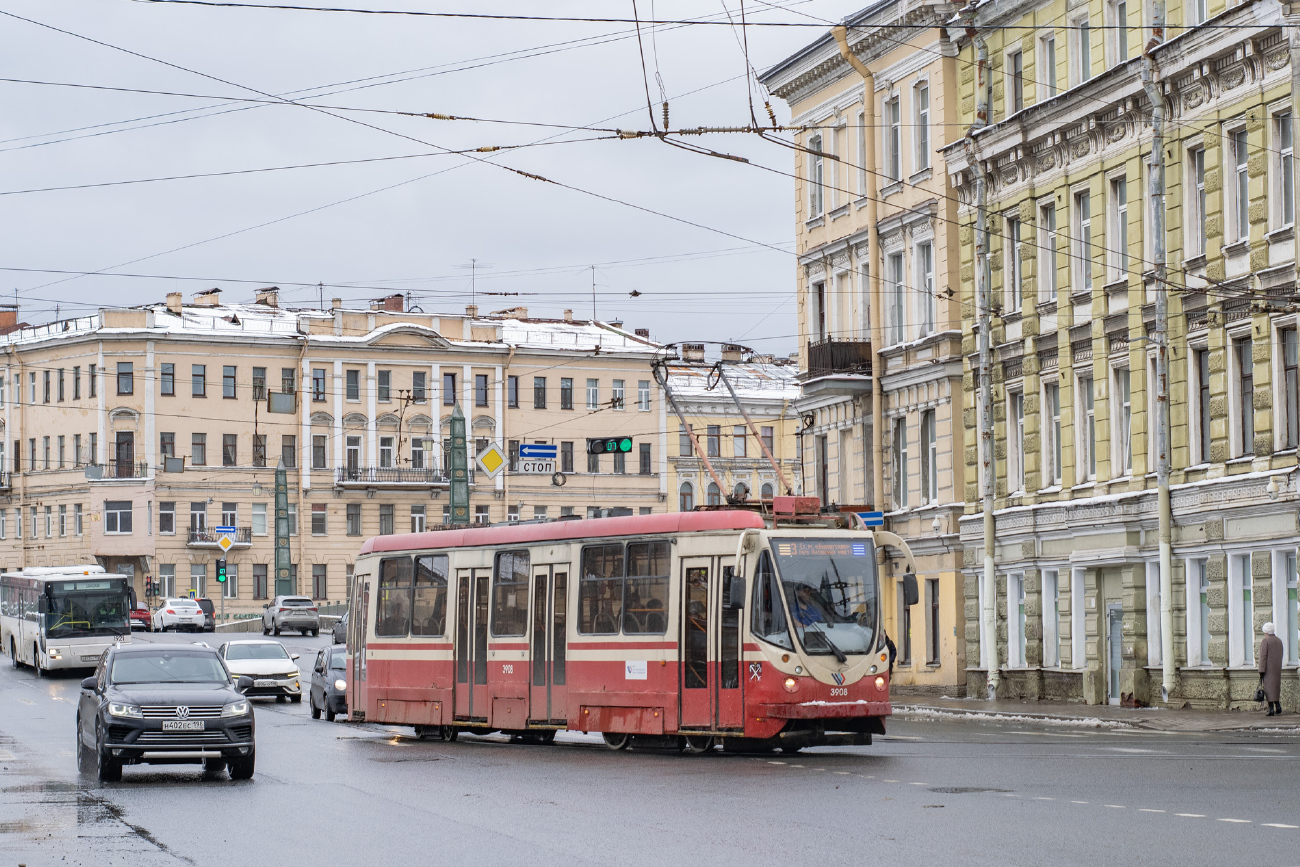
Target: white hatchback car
{"x": 178, "y": 614}
{"x": 273, "y": 670}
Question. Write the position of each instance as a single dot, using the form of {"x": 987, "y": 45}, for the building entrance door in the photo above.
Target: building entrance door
{"x": 1115, "y": 650}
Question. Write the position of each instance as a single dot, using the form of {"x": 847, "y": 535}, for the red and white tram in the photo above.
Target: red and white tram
{"x": 697, "y": 626}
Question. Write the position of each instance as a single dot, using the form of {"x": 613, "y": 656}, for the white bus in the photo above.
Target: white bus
{"x": 63, "y": 616}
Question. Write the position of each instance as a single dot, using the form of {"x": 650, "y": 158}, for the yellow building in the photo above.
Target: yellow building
{"x": 879, "y": 320}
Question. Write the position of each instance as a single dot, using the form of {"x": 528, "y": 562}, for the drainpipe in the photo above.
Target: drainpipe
{"x": 875, "y": 315}
{"x": 1156, "y": 200}
{"x": 302, "y": 453}
{"x": 983, "y": 303}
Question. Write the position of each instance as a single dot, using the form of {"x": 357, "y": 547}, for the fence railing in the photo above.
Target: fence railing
{"x": 392, "y": 476}
{"x": 242, "y": 535}
{"x": 839, "y": 356}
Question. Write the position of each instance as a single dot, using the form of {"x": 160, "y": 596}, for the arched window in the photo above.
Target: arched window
{"x": 741, "y": 491}
{"x": 686, "y": 497}
{"x": 766, "y": 491}
{"x": 715, "y": 495}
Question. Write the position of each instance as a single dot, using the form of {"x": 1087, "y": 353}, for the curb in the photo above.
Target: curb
{"x": 922, "y": 712}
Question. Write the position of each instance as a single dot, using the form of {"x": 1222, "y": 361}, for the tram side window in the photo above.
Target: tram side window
{"x": 768, "y": 620}
{"x": 429, "y": 609}
{"x": 646, "y": 590}
{"x": 393, "y": 616}
{"x": 510, "y": 594}
{"x": 600, "y": 592}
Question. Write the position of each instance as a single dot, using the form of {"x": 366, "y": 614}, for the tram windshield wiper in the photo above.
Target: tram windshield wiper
{"x": 839, "y": 654}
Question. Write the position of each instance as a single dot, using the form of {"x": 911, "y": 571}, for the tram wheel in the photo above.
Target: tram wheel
{"x": 695, "y": 744}
{"x": 447, "y": 733}
{"x": 617, "y": 741}
{"x": 791, "y": 749}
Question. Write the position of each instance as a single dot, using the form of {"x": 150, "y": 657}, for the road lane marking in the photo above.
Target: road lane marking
{"x": 844, "y": 773}
{"x": 889, "y": 781}
{"x": 27, "y": 701}
{"x": 1115, "y": 806}
{"x": 1078, "y": 802}
{"x": 1191, "y": 815}
{"x": 1277, "y": 825}
{"x": 1044, "y": 799}
{"x": 1237, "y": 821}
{"x": 776, "y": 763}
{"x": 1148, "y": 810}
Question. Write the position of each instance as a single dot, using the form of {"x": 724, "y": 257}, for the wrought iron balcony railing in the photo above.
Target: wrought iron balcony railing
{"x": 827, "y": 357}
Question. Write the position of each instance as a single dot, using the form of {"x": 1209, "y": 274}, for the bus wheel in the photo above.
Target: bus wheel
{"x": 617, "y": 741}
{"x": 13, "y": 653}
{"x": 36, "y": 661}
{"x": 694, "y": 744}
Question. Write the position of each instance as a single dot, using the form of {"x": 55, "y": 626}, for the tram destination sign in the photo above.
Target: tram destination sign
{"x": 538, "y": 459}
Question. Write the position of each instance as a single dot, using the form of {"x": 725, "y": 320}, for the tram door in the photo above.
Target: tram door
{"x": 731, "y": 707}
{"x": 549, "y": 642}
{"x": 698, "y": 673}
{"x": 471, "y": 643}
{"x": 358, "y": 625}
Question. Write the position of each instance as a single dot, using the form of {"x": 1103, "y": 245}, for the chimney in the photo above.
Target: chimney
{"x": 732, "y": 354}
{"x": 520, "y": 312}
{"x": 643, "y": 333}
{"x": 471, "y": 310}
{"x": 8, "y": 318}
{"x": 568, "y": 315}
{"x": 175, "y": 302}
{"x": 269, "y": 297}
{"x": 692, "y": 351}
{"x": 394, "y": 303}
{"x": 617, "y": 323}
{"x": 336, "y": 304}
{"x": 211, "y": 298}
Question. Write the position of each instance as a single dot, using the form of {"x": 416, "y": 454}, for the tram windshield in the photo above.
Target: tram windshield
{"x": 85, "y": 608}
{"x": 830, "y": 592}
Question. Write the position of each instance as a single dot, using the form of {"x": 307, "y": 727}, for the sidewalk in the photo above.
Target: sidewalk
{"x": 1092, "y": 716}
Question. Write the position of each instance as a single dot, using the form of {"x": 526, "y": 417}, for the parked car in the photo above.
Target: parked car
{"x": 164, "y": 704}
{"x": 177, "y": 614}
{"x": 340, "y": 630}
{"x": 329, "y": 683}
{"x": 291, "y": 612}
{"x": 273, "y": 669}
{"x": 141, "y": 619}
{"x": 209, "y": 614}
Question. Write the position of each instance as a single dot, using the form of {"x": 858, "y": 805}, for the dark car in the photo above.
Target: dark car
{"x": 340, "y": 629}
{"x": 164, "y": 704}
{"x": 329, "y": 683}
{"x": 209, "y": 614}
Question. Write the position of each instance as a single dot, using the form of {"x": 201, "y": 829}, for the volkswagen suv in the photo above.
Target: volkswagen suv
{"x": 164, "y": 704}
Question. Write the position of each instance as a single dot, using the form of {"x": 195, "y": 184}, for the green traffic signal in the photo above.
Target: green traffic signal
{"x": 599, "y": 446}
{"x": 221, "y": 571}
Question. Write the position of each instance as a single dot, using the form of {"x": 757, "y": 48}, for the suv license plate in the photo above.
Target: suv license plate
{"x": 183, "y": 726}
{"x": 264, "y": 683}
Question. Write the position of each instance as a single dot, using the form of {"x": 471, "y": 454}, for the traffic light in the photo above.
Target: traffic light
{"x": 221, "y": 571}
{"x": 610, "y": 445}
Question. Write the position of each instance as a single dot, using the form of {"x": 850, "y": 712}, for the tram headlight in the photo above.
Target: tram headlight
{"x": 791, "y": 685}
{"x": 880, "y": 682}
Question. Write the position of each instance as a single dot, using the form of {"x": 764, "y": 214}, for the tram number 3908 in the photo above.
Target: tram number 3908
{"x": 507, "y": 668}
{"x": 839, "y": 691}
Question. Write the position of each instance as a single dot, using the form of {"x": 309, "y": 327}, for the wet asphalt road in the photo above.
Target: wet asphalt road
{"x": 945, "y": 792}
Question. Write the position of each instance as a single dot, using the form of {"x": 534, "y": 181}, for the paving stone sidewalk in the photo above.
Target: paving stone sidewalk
{"x": 1093, "y": 716}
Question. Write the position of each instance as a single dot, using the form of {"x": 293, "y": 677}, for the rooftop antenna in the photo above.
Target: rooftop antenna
{"x": 474, "y": 267}
{"x": 593, "y": 293}
{"x": 320, "y": 294}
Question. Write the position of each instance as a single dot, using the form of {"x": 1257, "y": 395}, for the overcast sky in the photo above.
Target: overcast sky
{"x": 368, "y": 229}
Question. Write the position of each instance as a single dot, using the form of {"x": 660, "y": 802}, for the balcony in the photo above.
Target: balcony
{"x": 838, "y": 367}
{"x": 115, "y": 470}
{"x": 392, "y": 477}
{"x": 207, "y": 538}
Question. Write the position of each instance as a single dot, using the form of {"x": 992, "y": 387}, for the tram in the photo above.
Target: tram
{"x": 754, "y": 630}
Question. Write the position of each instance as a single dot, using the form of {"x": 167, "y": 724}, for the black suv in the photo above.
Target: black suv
{"x": 164, "y": 704}
{"x": 209, "y": 614}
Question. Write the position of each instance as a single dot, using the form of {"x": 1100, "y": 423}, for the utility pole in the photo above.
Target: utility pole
{"x": 593, "y": 293}
{"x": 1156, "y": 200}
{"x": 983, "y": 305}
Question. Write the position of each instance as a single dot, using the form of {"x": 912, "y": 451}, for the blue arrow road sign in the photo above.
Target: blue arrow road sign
{"x": 226, "y": 531}
{"x": 538, "y": 452}
{"x": 872, "y": 519}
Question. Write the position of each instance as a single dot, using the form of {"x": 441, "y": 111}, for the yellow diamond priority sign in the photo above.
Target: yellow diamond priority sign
{"x": 491, "y": 461}
{"x": 225, "y": 543}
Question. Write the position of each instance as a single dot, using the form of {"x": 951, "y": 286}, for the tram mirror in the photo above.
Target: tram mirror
{"x": 911, "y": 593}
{"x": 736, "y": 593}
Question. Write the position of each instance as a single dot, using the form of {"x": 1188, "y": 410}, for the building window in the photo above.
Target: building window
{"x": 125, "y": 379}
{"x": 1197, "y": 11}
{"x": 354, "y": 519}
{"x": 1052, "y": 446}
{"x": 229, "y": 514}
{"x": 1082, "y": 50}
{"x": 1291, "y": 603}
{"x": 319, "y": 581}
{"x": 739, "y": 445}
{"x": 1083, "y": 249}
{"x": 76, "y": 385}
{"x": 78, "y": 525}
{"x": 1047, "y": 254}
{"x": 198, "y": 516}
{"x": 259, "y": 519}
{"x": 418, "y": 379}
{"x": 318, "y": 452}
{"x": 482, "y": 515}
{"x": 418, "y": 518}
{"x": 449, "y": 389}
{"x": 816, "y": 170}
{"x": 1012, "y": 268}
{"x": 259, "y": 383}
{"x": 1119, "y": 227}
{"x": 929, "y": 458}
{"x": 166, "y": 518}
{"x": 714, "y": 495}
{"x": 1119, "y": 31}
{"x": 1285, "y": 184}
{"x": 198, "y": 450}
{"x": 318, "y": 384}
{"x": 921, "y": 99}
{"x": 94, "y": 450}
{"x": 566, "y": 393}
{"x": 643, "y": 395}
{"x": 685, "y": 448}
{"x": 616, "y": 394}
{"x": 1088, "y": 429}
{"x": 289, "y": 450}
{"x": 900, "y": 464}
{"x": 62, "y": 452}
{"x": 229, "y": 450}
{"x": 1244, "y": 380}
{"x": 1016, "y": 446}
{"x": 512, "y": 455}
{"x": 167, "y": 382}
{"x": 259, "y": 450}
{"x": 117, "y": 517}
{"x": 620, "y": 462}
{"x": 644, "y": 455}
{"x": 384, "y": 386}
{"x": 1240, "y": 190}
{"x": 288, "y": 380}
{"x": 713, "y": 441}
{"x": 539, "y": 392}
{"x": 512, "y": 392}
{"x": 593, "y": 463}
{"x": 417, "y": 452}
{"x": 480, "y": 389}
{"x": 1290, "y": 387}
{"x": 593, "y": 394}
{"x": 1123, "y": 405}
{"x": 352, "y": 379}
{"x": 1241, "y": 611}
{"x": 767, "y": 434}
{"x": 1201, "y": 403}
{"x": 566, "y": 457}
{"x": 1016, "y": 81}
{"x": 228, "y": 379}
{"x": 198, "y": 380}
{"x": 1047, "y": 66}
{"x": 893, "y": 139}
{"x": 1196, "y": 201}
{"x": 319, "y": 517}
{"x": 386, "y": 519}
{"x": 924, "y": 269}
{"x": 386, "y": 451}
{"x": 897, "y": 316}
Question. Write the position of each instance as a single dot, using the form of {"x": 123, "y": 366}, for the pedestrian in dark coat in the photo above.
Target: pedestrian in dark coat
{"x": 893, "y": 651}
{"x": 1270, "y": 669}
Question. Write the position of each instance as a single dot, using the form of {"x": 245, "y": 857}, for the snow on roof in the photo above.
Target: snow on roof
{"x": 558, "y": 334}
{"x": 752, "y": 380}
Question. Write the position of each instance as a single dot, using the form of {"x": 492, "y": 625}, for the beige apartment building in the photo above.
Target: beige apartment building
{"x": 131, "y": 434}
{"x": 879, "y": 320}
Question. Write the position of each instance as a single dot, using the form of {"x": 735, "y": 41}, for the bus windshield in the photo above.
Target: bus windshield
{"x": 83, "y": 608}
{"x": 830, "y": 590}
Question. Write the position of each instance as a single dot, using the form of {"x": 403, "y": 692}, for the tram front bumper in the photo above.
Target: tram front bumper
{"x": 814, "y": 710}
